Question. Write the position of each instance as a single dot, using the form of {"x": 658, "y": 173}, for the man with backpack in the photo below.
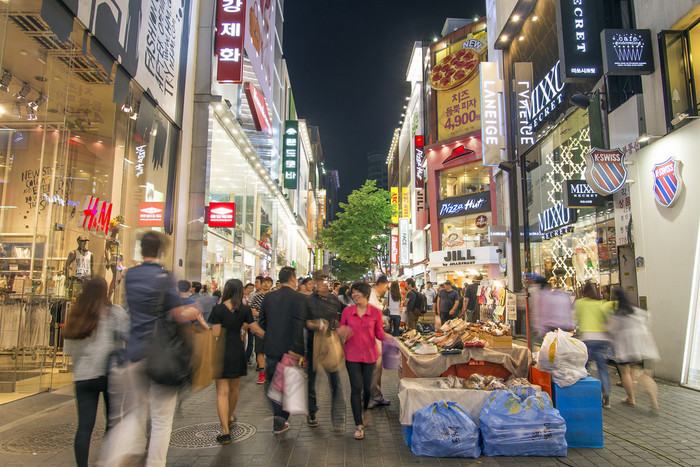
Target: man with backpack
{"x": 414, "y": 303}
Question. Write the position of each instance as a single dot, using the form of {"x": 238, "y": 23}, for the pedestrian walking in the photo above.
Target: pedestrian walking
{"x": 94, "y": 329}
{"x": 376, "y": 293}
{"x": 230, "y": 316}
{"x": 634, "y": 348}
{"x": 281, "y": 317}
{"x": 323, "y": 311}
{"x": 148, "y": 287}
{"x": 360, "y": 326}
{"x": 448, "y": 302}
{"x": 592, "y": 315}
{"x": 184, "y": 288}
{"x": 393, "y": 304}
{"x": 256, "y": 304}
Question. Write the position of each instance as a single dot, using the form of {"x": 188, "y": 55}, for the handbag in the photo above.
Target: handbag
{"x": 328, "y": 351}
{"x": 168, "y": 357}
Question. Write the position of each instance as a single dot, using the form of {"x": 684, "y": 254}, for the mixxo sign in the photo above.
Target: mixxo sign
{"x": 579, "y": 23}
{"x": 463, "y": 205}
{"x": 523, "y": 98}
{"x": 290, "y": 153}
{"x": 556, "y": 221}
{"x": 546, "y": 96}
{"x": 579, "y": 194}
{"x": 228, "y": 45}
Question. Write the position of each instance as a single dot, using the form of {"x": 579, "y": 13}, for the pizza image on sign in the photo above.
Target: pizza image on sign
{"x": 454, "y": 69}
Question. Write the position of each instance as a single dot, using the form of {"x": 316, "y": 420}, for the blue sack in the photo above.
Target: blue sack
{"x": 444, "y": 429}
{"x": 522, "y": 425}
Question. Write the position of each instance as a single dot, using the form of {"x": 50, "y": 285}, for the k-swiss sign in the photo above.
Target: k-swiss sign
{"x": 605, "y": 170}
{"x": 667, "y": 182}
{"x": 228, "y": 45}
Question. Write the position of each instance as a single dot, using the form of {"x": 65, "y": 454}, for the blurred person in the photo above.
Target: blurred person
{"x": 146, "y": 286}
{"x": 195, "y": 290}
{"x": 256, "y": 305}
{"x": 250, "y": 337}
{"x": 410, "y": 301}
{"x": 344, "y": 296}
{"x": 94, "y": 328}
{"x": 306, "y": 286}
{"x": 430, "y": 296}
{"x": 230, "y": 315}
{"x": 361, "y": 326}
{"x": 336, "y": 288}
{"x": 247, "y": 290}
{"x": 323, "y": 312}
{"x": 184, "y": 288}
{"x": 592, "y": 315}
{"x": 634, "y": 345}
{"x": 281, "y": 317}
{"x": 258, "y": 287}
{"x": 472, "y": 300}
{"x": 554, "y": 309}
{"x": 278, "y": 285}
{"x": 393, "y": 304}
{"x": 448, "y": 302}
{"x": 376, "y": 294}
{"x": 207, "y": 302}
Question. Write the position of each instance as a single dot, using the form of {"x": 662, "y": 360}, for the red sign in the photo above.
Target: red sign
{"x": 394, "y": 248}
{"x": 419, "y": 160}
{"x": 481, "y": 221}
{"x": 221, "y": 215}
{"x": 96, "y": 215}
{"x": 258, "y": 107}
{"x": 151, "y": 214}
{"x": 228, "y": 45}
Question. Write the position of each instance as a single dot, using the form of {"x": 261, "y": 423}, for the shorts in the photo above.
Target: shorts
{"x": 258, "y": 345}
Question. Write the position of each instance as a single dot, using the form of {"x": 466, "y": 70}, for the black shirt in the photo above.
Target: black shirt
{"x": 281, "y": 317}
{"x": 471, "y": 296}
{"x": 411, "y": 297}
{"x": 322, "y": 307}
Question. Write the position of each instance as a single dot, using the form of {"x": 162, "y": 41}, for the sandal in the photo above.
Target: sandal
{"x": 359, "y": 432}
{"x": 626, "y": 401}
{"x": 224, "y": 439}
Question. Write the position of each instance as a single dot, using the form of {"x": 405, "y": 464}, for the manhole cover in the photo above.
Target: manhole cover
{"x": 203, "y": 435}
{"x": 56, "y": 438}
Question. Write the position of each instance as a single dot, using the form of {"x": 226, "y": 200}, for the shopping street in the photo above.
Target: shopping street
{"x": 39, "y": 431}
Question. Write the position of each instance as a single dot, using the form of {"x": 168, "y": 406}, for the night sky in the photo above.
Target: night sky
{"x": 347, "y": 62}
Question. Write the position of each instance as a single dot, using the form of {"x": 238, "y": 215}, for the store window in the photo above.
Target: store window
{"x": 465, "y": 231}
{"x": 680, "y": 55}
{"x": 463, "y": 180}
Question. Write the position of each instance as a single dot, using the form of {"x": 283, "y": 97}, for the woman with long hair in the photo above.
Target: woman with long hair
{"x": 230, "y": 315}
{"x": 592, "y": 315}
{"x": 360, "y": 325}
{"x": 634, "y": 346}
{"x": 94, "y": 329}
{"x": 393, "y": 304}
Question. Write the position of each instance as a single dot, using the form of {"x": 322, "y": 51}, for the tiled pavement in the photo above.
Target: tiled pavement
{"x": 633, "y": 436}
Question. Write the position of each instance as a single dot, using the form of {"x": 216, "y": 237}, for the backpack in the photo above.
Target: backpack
{"x": 421, "y": 303}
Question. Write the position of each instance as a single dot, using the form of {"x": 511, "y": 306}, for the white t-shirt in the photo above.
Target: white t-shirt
{"x": 430, "y": 295}
{"x": 394, "y": 306}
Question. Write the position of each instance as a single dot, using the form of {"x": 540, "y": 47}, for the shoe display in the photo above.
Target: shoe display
{"x": 311, "y": 420}
{"x": 427, "y": 349}
{"x": 261, "y": 377}
{"x": 285, "y": 428}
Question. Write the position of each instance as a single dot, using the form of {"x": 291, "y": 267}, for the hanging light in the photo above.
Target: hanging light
{"x": 127, "y": 105}
{"x": 22, "y": 94}
{"x": 5, "y": 81}
{"x": 37, "y": 102}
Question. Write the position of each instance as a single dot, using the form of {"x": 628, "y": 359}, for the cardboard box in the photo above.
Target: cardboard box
{"x": 497, "y": 342}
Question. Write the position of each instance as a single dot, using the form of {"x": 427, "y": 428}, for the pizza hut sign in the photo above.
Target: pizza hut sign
{"x": 221, "y": 215}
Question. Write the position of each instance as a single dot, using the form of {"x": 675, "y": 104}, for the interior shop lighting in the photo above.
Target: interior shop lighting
{"x": 645, "y": 137}
{"x": 17, "y": 111}
{"x": 22, "y": 94}
{"x": 37, "y": 102}
{"x": 5, "y": 81}
{"x": 680, "y": 117}
{"x": 127, "y": 105}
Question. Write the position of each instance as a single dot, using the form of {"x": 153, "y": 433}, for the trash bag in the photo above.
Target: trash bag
{"x": 523, "y": 425}
{"x": 564, "y": 357}
{"x": 294, "y": 399}
{"x": 390, "y": 354}
{"x": 444, "y": 429}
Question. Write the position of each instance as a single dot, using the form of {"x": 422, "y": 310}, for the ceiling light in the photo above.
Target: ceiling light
{"x": 5, "y": 81}
{"x": 127, "y": 106}
{"x": 535, "y": 18}
{"x": 476, "y": 18}
{"x": 521, "y": 38}
{"x": 504, "y": 38}
{"x": 435, "y": 39}
{"x": 37, "y": 102}
{"x": 134, "y": 116}
{"x": 516, "y": 18}
{"x": 154, "y": 131}
{"x": 22, "y": 94}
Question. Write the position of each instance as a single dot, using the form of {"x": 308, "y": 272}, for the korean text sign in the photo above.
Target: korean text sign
{"x": 228, "y": 45}
{"x": 290, "y": 153}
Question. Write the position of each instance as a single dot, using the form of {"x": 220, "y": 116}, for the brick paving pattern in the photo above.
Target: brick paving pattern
{"x": 633, "y": 436}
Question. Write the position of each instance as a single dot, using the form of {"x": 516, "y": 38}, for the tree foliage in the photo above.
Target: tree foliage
{"x": 359, "y": 234}
{"x": 346, "y": 271}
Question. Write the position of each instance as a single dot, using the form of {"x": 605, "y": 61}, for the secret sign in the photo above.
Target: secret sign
{"x": 467, "y": 204}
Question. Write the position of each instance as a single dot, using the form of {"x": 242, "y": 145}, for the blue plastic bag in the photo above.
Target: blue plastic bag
{"x": 444, "y": 429}
{"x": 522, "y": 425}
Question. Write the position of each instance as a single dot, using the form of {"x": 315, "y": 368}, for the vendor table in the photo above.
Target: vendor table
{"x": 506, "y": 362}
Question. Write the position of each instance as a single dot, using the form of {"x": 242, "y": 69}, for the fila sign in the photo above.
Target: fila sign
{"x": 221, "y": 215}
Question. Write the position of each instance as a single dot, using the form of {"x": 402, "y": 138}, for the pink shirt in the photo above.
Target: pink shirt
{"x": 362, "y": 346}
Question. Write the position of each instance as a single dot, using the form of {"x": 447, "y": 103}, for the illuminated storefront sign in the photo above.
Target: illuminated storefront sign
{"x": 523, "y": 93}
{"x": 420, "y": 200}
{"x": 319, "y": 259}
{"x": 404, "y": 242}
{"x": 492, "y": 140}
{"x": 579, "y": 194}
{"x": 221, "y": 215}
{"x": 606, "y": 171}
{"x": 290, "y": 153}
{"x": 96, "y": 215}
{"x": 463, "y": 205}
{"x": 556, "y": 221}
{"x": 464, "y": 257}
{"x": 394, "y": 205}
{"x": 258, "y": 107}
{"x": 151, "y": 214}
{"x": 405, "y": 202}
{"x": 579, "y": 23}
{"x": 546, "y": 96}
{"x": 394, "y": 246}
{"x": 627, "y": 52}
{"x": 419, "y": 160}
{"x": 228, "y": 45}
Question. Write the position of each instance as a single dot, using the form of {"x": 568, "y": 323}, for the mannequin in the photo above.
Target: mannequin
{"x": 82, "y": 270}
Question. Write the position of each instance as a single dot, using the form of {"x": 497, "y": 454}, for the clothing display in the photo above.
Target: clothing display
{"x": 24, "y": 324}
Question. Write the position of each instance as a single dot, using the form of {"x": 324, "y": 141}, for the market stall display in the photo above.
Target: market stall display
{"x": 564, "y": 357}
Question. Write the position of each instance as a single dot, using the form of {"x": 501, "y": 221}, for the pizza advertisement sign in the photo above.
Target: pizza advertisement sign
{"x": 455, "y": 78}
{"x": 605, "y": 171}
{"x": 667, "y": 182}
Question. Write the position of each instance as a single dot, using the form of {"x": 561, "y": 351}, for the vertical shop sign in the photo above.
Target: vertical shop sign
{"x": 290, "y": 153}
{"x": 260, "y": 41}
{"x": 579, "y": 23}
{"x": 420, "y": 200}
{"x": 523, "y": 93}
{"x": 321, "y": 208}
{"x": 258, "y": 107}
{"x": 394, "y": 246}
{"x": 319, "y": 259}
{"x": 511, "y": 306}
{"x": 405, "y": 202}
{"x": 151, "y": 214}
{"x": 228, "y": 44}
{"x": 419, "y": 160}
{"x": 394, "y": 205}
{"x": 404, "y": 242}
{"x": 96, "y": 215}
{"x": 623, "y": 215}
{"x": 492, "y": 140}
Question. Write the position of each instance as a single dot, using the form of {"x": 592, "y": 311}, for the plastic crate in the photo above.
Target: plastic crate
{"x": 580, "y": 405}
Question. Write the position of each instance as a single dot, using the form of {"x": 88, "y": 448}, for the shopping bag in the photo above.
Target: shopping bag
{"x": 390, "y": 354}
{"x": 444, "y": 429}
{"x": 513, "y": 425}
{"x": 275, "y": 390}
{"x": 294, "y": 398}
{"x": 564, "y": 357}
{"x": 328, "y": 351}
{"x": 202, "y": 357}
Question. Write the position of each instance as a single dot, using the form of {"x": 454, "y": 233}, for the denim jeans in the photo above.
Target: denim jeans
{"x": 337, "y": 405}
{"x": 395, "y": 320}
{"x": 360, "y": 375}
{"x": 87, "y": 395}
{"x": 597, "y": 351}
{"x": 280, "y": 417}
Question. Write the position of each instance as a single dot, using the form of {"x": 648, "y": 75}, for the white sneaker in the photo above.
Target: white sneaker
{"x": 427, "y": 349}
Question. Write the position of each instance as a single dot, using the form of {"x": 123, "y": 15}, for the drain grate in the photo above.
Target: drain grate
{"x": 203, "y": 435}
{"x": 49, "y": 439}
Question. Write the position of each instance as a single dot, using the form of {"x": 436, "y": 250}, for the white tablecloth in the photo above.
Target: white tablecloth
{"x": 418, "y": 393}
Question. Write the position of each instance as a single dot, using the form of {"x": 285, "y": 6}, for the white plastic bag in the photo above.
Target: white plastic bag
{"x": 563, "y": 357}
{"x": 294, "y": 395}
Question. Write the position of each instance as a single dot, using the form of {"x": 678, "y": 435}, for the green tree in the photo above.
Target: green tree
{"x": 346, "y": 271}
{"x": 360, "y": 233}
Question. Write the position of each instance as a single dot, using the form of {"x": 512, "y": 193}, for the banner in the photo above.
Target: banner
{"x": 492, "y": 139}
{"x": 455, "y": 78}
{"x": 405, "y": 202}
{"x": 260, "y": 37}
{"x": 404, "y": 242}
{"x": 394, "y": 205}
{"x": 394, "y": 246}
{"x": 228, "y": 44}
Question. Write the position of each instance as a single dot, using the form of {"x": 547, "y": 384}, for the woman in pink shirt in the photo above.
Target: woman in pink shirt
{"x": 360, "y": 325}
